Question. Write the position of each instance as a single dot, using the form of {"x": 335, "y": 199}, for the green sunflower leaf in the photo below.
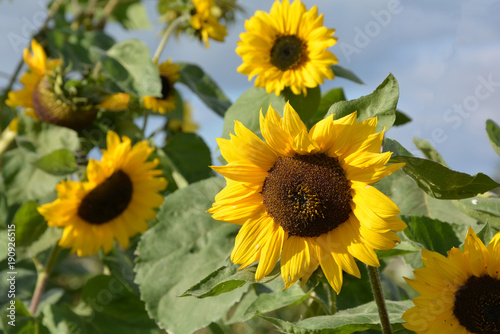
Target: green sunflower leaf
{"x": 332, "y": 96}
{"x": 305, "y": 106}
{"x": 437, "y": 180}
{"x": 128, "y": 64}
{"x": 115, "y": 309}
{"x": 246, "y": 109}
{"x": 429, "y": 151}
{"x": 205, "y": 87}
{"x": 487, "y": 233}
{"x": 227, "y": 278}
{"x": 356, "y": 319}
{"x": 30, "y": 225}
{"x": 434, "y": 235}
{"x": 131, "y": 15}
{"x": 189, "y": 155}
{"x": 482, "y": 208}
{"x": 20, "y": 321}
{"x": 345, "y": 73}
{"x": 381, "y": 103}
{"x": 61, "y": 319}
{"x": 180, "y": 250}
{"x": 401, "y": 118}
{"x": 58, "y": 162}
{"x": 493, "y": 131}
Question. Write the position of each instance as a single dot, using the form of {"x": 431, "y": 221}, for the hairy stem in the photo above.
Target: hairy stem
{"x": 378, "y": 294}
{"x": 166, "y": 35}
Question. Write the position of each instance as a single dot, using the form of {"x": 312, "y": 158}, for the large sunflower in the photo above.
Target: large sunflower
{"x": 306, "y": 195}
{"x": 287, "y": 48}
{"x": 39, "y": 66}
{"x": 169, "y": 74}
{"x": 205, "y": 24}
{"x": 116, "y": 201}
{"x": 459, "y": 294}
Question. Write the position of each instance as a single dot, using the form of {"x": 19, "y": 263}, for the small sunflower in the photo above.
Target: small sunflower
{"x": 287, "y": 48}
{"x": 186, "y": 124}
{"x": 39, "y": 66}
{"x": 306, "y": 195}
{"x": 460, "y": 293}
{"x": 119, "y": 197}
{"x": 205, "y": 24}
{"x": 169, "y": 74}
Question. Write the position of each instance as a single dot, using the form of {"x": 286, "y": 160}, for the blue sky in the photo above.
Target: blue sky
{"x": 444, "y": 54}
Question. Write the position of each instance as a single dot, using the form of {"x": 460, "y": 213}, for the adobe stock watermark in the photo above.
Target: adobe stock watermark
{"x": 30, "y": 26}
{"x": 459, "y": 112}
{"x": 372, "y": 28}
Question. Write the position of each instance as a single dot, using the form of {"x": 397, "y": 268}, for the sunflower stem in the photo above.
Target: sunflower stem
{"x": 106, "y": 13}
{"x": 378, "y": 294}
{"x": 43, "y": 277}
{"x": 146, "y": 116}
{"x": 171, "y": 27}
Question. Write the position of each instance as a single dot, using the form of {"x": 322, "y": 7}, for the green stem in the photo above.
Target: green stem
{"x": 166, "y": 35}
{"x": 43, "y": 277}
{"x": 378, "y": 294}
{"x": 333, "y": 301}
{"x": 106, "y": 13}
{"x": 146, "y": 116}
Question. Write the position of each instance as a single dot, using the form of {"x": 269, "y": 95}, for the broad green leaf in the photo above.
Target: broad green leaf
{"x": 115, "y": 309}
{"x": 45, "y": 241}
{"x": 128, "y": 64}
{"x": 271, "y": 297}
{"x": 429, "y": 151}
{"x": 434, "y": 235}
{"x": 493, "y": 131}
{"x": 381, "y": 103}
{"x": 74, "y": 46}
{"x": 185, "y": 246}
{"x": 356, "y": 319}
{"x": 487, "y": 233}
{"x": 131, "y": 15}
{"x": 332, "y": 96}
{"x": 20, "y": 321}
{"x": 30, "y": 225}
{"x": 401, "y": 118}
{"x": 61, "y": 319}
{"x": 484, "y": 209}
{"x": 305, "y": 106}
{"x": 227, "y": 278}
{"x": 246, "y": 109}
{"x": 202, "y": 85}
{"x": 59, "y": 162}
{"x": 49, "y": 297}
{"x": 345, "y": 73}
{"x": 439, "y": 181}
{"x": 404, "y": 247}
{"x": 190, "y": 156}
{"x": 413, "y": 201}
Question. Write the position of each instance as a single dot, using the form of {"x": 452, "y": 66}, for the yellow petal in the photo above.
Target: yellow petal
{"x": 270, "y": 252}
{"x": 295, "y": 259}
{"x": 476, "y": 252}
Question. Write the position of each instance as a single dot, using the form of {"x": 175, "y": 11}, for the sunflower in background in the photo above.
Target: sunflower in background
{"x": 287, "y": 48}
{"x": 115, "y": 102}
{"x": 204, "y": 22}
{"x": 116, "y": 201}
{"x": 169, "y": 74}
{"x": 460, "y": 293}
{"x": 305, "y": 196}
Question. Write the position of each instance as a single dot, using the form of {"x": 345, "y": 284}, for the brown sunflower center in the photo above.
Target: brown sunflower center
{"x": 307, "y": 195}
{"x": 287, "y": 52}
{"x": 166, "y": 87}
{"x": 108, "y": 200}
{"x": 477, "y": 305}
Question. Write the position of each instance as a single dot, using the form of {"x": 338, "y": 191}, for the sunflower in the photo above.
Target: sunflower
{"x": 287, "y": 48}
{"x": 460, "y": 293}
{"x": 115, "y": 102}
{"x": 205, "y": 24}
{"x": 39, "y": 66}
{"x": 306, "y": 195}
{"x": 186, "y": 124}
{"x": 116, "y": 201}
{"x": 169, "y": 74}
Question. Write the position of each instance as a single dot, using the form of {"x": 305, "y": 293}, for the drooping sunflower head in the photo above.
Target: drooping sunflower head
{"x": 43, "y": 94}
{"x": 116, "y": 201}
{"x": 459, "y": 293}
{"x": 306, "y": 196}
{"x": 207, "y": 25}
{"x": 169, "y": 74}
{"x": 287, "y": 48}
